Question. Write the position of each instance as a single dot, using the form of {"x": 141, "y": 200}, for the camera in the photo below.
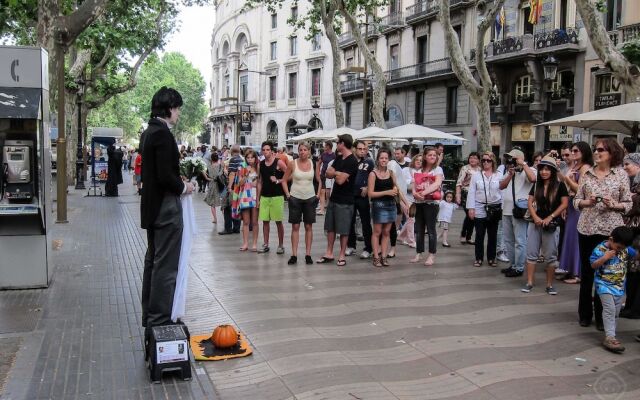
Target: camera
{"x": 509, "y": 161}
{"x": 598, "y": 199}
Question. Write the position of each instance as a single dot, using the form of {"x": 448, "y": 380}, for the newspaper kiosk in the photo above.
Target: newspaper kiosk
{"x": 25, "y": 155}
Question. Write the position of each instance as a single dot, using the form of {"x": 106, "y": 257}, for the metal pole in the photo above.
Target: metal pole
{"x": 79, "y": 156}
{"x": 238, "y": 102}
{"x": 61, "y": 202}
{"x": 364, "y": 97}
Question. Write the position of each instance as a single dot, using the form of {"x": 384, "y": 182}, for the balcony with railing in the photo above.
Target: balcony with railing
{"x": 345, "y": 38}
{"x": 541, "y": 42}
{"x": 630, "y": 32}
{"x": 423, "y": 70}
{"x": 351, "y": 85}
{"x": 391, "y": 21}
{"x": 367, "y": 31}
{"x": 420, "y": 10}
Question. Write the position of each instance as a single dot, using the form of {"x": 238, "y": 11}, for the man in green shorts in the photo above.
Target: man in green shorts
{"x": 271, "y": 195}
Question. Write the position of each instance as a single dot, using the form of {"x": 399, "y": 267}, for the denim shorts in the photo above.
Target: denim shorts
{"x": 383, "y": 211}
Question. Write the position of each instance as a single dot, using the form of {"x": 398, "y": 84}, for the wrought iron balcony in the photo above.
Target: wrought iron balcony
{"x": 419, "y": 71}
{"x": 509, "y": 45}
{"x": 392, "y": 21}
{"x": 345, "y": 38}
{"x": 556, "y": 37}
{"x": 351, "y": 85}
{"x": 420, "y": 9}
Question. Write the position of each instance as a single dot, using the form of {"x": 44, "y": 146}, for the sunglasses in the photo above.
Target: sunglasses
{"x": 575, "y": 151}
{"x": 600, "y": 150}
{"x": 487, "y": 160}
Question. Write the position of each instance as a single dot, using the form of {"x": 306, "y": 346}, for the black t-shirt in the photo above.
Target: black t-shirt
{"x": 271, "y": 189}
{"x": 343, "y": 194}
{"x": 544, "y": 209}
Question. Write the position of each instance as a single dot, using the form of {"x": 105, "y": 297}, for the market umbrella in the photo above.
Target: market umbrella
{"x": 412, "y": 131}
{"x": 313, "y": 135}
{"x": 624, "y": 118}
{"x": 369, "y": 132}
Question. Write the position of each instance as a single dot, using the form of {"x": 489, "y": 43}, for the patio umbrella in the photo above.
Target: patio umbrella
{"x": 343, "y": 130}
{"x": 313, "y": 135}
{"x": 624, "y": 118}
{"x": 412, "y": 131}
{"x": 369, "y": 132}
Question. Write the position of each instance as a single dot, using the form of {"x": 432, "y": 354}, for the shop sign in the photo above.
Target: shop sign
{"x": 245, "y": 119}
{"x": 607, "y": 100}
{"x": 522, "y": 133}
{"x": 561, "y": 134}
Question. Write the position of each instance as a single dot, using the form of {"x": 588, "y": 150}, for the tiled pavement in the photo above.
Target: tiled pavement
{"x": 318, "y": 332}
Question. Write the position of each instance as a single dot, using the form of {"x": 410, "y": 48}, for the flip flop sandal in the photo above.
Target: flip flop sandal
{"x": 324, "y": 260}
{"x": 341, "y": 263}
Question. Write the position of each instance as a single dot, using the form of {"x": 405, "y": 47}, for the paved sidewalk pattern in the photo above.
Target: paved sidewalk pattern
{"x": 319, "y": 332}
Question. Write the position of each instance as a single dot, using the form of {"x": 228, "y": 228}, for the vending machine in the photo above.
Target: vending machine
{"x": 25, "y": 168}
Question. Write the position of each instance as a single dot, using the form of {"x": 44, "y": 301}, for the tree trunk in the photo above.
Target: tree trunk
{"x": 626, "y": 73}
{"x": 483, "y": 112}
{"x": 478, "y": 91}
{"x": 328, "y": 16}
{"x": 380, "y": 90}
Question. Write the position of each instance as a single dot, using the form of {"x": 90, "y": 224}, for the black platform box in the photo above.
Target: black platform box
{"x": 169, "y": 351}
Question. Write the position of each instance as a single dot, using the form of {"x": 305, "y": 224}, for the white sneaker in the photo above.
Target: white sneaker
{"x": 350, "y": 251}
{"x": 364, "y": 255}
{"x": 502, "y": 257}
{"x": 560, "y": 271}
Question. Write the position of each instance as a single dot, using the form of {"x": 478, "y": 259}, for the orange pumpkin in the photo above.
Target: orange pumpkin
{"x": 224, "y": 336}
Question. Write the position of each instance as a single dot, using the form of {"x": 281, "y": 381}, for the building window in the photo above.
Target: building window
{"x": 293, "y": 85}
{"x": 458, "y": 30}
{"x": 272, "y": 88}
{"x": 293, "y": 45}
{"x": 294, "y": 13}
{"x": 523, "y": 90}
{"x": 274, "y": 21}
{"x": 274, "y": 50}
{"x": 607, "y": 84}
{"x": 394, "y": 56}
{"x": 244, "y": 86}
{"x": 394, "y": 7}
{"x": 315, "y": 82}
{"x": 347, "y": 113}
{"x": 527, "y": 27}
{"x": 316, "y": 42}
{"x": 452, "y": 105}
{"x": 614, "y": 14}
{"x": 423, "y": 49}
{"x": 349, "y": 62}
{"x": 420, "y": 108}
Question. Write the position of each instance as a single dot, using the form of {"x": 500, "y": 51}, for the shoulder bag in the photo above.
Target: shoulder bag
{"x": 494, "y": 211}
{"x": 517, "y": 212}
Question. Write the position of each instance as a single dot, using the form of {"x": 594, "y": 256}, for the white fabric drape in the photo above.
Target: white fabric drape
{"x": 188, "y": 231}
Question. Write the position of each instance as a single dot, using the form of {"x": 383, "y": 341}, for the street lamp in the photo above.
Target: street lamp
{"x": 79, "y": 156}
{"x": 550, "y": 67}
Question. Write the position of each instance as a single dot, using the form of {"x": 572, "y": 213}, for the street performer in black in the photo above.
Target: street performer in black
{"x": 160, "y": 209}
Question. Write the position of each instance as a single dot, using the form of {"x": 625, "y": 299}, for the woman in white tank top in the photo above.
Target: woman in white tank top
{"x": 302, "y": 200}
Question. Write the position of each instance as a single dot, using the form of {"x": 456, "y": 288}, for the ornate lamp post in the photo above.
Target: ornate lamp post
{"x": 79, "y": 153}
{"x": 550, "y": 67}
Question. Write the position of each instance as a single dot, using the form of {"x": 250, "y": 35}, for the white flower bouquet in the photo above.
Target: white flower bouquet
{"x": 191, "y": 167}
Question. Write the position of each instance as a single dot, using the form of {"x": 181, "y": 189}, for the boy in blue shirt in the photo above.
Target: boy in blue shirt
{"x": 610, "y": 259}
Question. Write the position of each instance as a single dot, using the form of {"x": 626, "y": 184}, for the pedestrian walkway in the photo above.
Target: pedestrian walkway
{"x": 318, "y": 332}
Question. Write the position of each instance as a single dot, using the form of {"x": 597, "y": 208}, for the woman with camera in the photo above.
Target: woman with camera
{"x": 548, "y": 198}
{"x": 484, "y": 202}
{"x": 603, "y": 197}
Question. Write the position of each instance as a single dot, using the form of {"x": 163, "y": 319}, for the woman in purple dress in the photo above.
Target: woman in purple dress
{"x": 581, "y": 160}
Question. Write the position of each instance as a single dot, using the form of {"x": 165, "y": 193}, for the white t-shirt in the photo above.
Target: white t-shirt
{"x": 398, "y": 172}
{"x": 407, "y": 174}
{"x": 476, "y": 197}
{"x": 446, "y": 211}
{"x": 523, "y": 186}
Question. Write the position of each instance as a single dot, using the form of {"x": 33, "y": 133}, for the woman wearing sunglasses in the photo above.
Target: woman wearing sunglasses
{"x": 603, "y": 197}
{"x": 484, "y": 203}
{"x": 580, "y": 160}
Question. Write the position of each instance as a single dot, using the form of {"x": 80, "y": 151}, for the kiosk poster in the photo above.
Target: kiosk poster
{"x": 101, "y": 162}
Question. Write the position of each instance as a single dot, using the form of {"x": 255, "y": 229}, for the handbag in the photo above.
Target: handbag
{"x": 517, "y": 212}
{"x": 552, "y": 225}
{"x": 494, "y": 211}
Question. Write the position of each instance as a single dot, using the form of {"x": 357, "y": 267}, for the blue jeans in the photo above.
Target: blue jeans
{"x": 499, "y": 239}
{"x": 514, "y": 236}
